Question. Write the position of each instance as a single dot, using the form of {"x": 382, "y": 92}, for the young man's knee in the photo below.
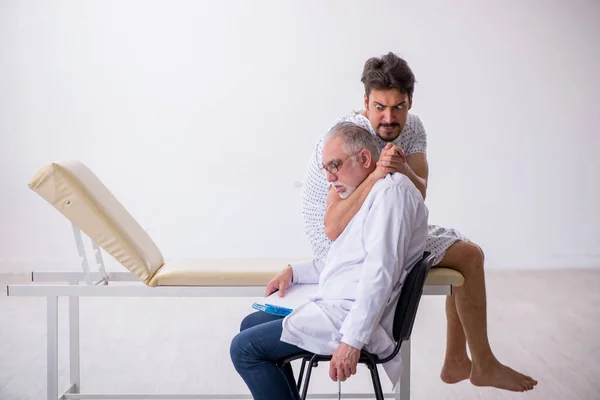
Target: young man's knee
{"x": 473, "y": 255}
{"x": 464, "y": 256}
{"x": 481, "y": 253}
{"x": 477, "y": 251}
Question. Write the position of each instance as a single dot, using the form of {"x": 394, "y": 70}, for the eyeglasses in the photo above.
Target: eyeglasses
{"x": 334, "y": 166}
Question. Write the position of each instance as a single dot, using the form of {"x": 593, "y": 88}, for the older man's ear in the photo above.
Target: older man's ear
{"x": 366, "y": 158}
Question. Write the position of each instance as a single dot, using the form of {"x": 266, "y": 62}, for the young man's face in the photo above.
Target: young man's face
{"x": 352, "y": 169}
{"x": 387, "y": 111}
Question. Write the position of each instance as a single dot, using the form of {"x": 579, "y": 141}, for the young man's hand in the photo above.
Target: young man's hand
{"x": 391, "y": 159}
{"x": 343, "y": 363}
{"x": 281, "y": 282}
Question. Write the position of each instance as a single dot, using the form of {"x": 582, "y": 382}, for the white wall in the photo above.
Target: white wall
{"x": 207, "y": 112}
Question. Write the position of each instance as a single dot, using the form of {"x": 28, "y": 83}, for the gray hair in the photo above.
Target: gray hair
{"x": 355, "y": 138}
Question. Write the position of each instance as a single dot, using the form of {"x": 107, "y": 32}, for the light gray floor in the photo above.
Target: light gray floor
{"x": 543, "y": 323}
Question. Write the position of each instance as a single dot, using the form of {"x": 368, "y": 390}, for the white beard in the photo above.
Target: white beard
{"x": 348, "y": 190}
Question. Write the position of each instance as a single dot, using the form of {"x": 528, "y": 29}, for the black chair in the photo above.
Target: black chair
{"x": 404, "y": 318}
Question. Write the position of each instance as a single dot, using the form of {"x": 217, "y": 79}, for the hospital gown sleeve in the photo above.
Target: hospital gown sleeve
{"x": 415, "y": 136}
{"x": 387, "y": 236}
{"x": 308, "y": 271}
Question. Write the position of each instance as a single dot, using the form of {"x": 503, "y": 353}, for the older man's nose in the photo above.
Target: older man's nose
{"x": 331, "y": 177}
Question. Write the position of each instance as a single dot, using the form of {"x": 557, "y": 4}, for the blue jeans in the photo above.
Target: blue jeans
{"x": 254, "y": 352}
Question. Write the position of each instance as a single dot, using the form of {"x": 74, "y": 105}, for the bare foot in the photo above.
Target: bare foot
{"x": 455, "y": 370}
{"x": 500, "y": 376}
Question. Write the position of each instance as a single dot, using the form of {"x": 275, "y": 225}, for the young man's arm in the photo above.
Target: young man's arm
{"x": 414, "y": 166}
{"x": 417, "y": 170}
{"x": 416, "y": 159}
{"x": 341, "y": 211}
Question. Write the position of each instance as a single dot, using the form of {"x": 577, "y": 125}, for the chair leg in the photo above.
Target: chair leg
{"x": 405, "y": 377}
{"x": 376, "y": 382}
{"x": 301, "y": 373}
{"x": 307, "y": 380}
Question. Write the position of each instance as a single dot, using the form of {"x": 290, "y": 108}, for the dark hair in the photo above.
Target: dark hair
{"x": 388, "y": 72}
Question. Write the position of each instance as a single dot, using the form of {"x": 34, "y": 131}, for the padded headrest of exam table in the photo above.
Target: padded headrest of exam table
{"x": 75, "y": 191}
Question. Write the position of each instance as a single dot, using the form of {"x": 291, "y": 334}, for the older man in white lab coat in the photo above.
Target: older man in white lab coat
{"x": 359, "y": 281}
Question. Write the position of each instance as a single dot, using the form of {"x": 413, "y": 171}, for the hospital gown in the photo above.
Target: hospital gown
{"x": 412, "y": 139}
{"x": 361, "y": 278}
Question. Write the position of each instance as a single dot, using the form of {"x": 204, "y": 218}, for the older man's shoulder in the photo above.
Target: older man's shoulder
{"x": 399, "y": 183}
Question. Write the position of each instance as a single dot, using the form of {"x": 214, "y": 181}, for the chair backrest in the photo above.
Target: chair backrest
{"x": 79, "y": 195}
{"x": 410, "y": 296}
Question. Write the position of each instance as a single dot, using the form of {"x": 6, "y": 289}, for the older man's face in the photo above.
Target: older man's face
{"x": 348, "y": 171}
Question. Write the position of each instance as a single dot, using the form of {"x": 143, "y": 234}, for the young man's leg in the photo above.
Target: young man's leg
{"x": 467, "y": 319}
{"x": 254, "y": 352}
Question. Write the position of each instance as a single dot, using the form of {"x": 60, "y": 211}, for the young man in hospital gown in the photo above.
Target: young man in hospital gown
{"x": 389, "y": 85}
{"x": 359, "y": 281}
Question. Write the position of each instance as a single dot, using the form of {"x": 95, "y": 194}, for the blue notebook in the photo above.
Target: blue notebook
{"x": 295, "y": 296}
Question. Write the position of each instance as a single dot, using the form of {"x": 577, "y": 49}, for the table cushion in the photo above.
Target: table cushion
{"x": 252, "y": 272}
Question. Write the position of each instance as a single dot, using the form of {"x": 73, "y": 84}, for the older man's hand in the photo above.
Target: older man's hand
{"x": 391, "y": 159}
{"x": 343, "y": 363}
{"x": 281, "y": 282}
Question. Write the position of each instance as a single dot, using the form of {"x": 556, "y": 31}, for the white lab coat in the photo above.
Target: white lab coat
{"x": 360, "y": 280}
